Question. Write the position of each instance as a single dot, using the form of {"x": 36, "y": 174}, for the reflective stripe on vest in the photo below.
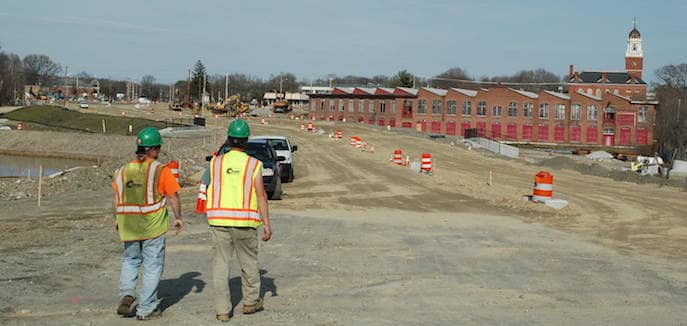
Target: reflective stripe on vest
{"x": 141, "y": 211}
{"x": 232, "y": 198}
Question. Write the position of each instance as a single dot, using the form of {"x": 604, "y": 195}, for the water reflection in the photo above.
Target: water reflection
{"x": 24, "y": 166}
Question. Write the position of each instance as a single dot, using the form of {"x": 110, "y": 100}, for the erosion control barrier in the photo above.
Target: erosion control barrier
{"x": 496, "y": 147}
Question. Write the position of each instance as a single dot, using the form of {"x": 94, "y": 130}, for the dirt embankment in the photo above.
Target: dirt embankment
{"x": 62, "y": 119}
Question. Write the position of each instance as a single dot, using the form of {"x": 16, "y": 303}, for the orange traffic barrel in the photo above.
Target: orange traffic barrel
{"x": 174, "y": 168}
{"x": 426, "y": 165}
{"x": 302, "y": 126}
{"x": 358, "y": 142}
{"x": 201, "y": 201}
{"x": 310, "y": 126}
{"x": 20, "y": 126}
{"x": 398, "y": 157}
{"x": 338, "y": 134}
{"x": 353, "y": 140}
{"x": 543, "y": 186}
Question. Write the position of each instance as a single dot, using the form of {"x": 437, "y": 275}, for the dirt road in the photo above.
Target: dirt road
{"x": 360, "y": 241}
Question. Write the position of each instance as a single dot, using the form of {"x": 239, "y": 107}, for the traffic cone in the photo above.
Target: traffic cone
{"x": 201, "y": 201}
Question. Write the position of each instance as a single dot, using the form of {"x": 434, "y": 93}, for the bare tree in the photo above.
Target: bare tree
{"x": 40, "y": 69}
{"x": 453, "y": 77}
{"x": 671, "y": 117}
{"x": 148, "y": 87}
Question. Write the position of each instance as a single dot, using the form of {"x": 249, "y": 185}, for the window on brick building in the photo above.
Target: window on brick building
{"x": 361, "y": 105}
{"x": 351, "y": 103}
{"x": 436, "y": 107}
{"x": 575, "y": 112}
{"x": 393, "y": 106}
{"x": 322, "y": 104}
{"x": 512, "y": 109}
{"x": 544, "y": 111}
{"x": 382, "y": 106}
{"x": 422, "y": 106}
{"x": 451, "y": 107}
{"x": 598, "y": 92}
{"x": 560, "y": 112}
{"x": 496, "y": 111}
{"x": 592, "y": 113}
{"x": 527, "y": 110}
{"x": 331, "y": 105}
{"x": 467, "y": 108}
{"x": 642, "y": 113}
{"x": 342, "y": 105}
{"x": 482, "y": 108}
{"x": 312, "y": 105}
{"x": 372, "y": 106}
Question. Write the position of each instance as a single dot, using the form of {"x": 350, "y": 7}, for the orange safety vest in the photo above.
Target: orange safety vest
{"x": 232, "y": 200}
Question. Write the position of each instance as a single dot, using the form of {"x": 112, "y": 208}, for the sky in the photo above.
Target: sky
{"x": 311, "y": 38}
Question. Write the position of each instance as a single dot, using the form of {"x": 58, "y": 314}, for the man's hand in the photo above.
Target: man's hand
{"x": 179, "y": 225}
{"x": 268, "y": 232}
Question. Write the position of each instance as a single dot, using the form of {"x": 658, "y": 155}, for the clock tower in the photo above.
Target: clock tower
{"x": 634, "y": 56}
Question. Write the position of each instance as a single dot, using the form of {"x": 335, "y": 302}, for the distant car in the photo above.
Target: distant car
{"x": 83, "y": 105}
{"x": 263, "y": 151}
{"x": 283, "y": 147}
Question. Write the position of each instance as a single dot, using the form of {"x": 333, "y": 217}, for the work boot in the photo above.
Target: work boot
{"x": 223, "y": 317}
{"x": 126, "y": 306}
{"x": 253, "y": 308}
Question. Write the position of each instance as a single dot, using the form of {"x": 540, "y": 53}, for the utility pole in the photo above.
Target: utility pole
{"x": 188, "y": 84}
{"x": 202, "y": 95}
{"x": 226, "y": 86}
{"x": 64, "y": 94}
{"x": 76, "y": 88}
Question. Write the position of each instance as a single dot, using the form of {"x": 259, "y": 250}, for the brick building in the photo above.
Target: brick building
{"x": 600, "y": 109}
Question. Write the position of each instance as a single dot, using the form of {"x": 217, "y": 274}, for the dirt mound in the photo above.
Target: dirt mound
{"x": 598, "y": 170}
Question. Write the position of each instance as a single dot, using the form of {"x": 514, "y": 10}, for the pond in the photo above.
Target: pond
{"x": 24, "y": 166}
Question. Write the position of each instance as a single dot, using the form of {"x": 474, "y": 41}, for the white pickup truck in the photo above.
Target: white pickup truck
{"x": 283, "y": 147}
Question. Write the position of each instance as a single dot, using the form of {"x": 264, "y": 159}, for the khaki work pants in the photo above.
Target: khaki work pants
{"x": 243, "y": 241}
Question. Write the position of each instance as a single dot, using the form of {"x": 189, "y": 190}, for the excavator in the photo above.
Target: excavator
{"x": 231, "y": 105}
{"x": 281, "y": 106}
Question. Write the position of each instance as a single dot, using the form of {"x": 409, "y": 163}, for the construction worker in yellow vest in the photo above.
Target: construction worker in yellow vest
{"x": 236, "y": 207}
{"x": 143, "y": 188}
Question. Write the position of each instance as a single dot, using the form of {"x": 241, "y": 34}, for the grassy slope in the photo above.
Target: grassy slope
{"x": 55, "y": 117}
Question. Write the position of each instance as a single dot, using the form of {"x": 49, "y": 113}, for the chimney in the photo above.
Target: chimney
{"x": 603, "y": 77}
{"x": 572, "y": 70}
{"x": 577, "y": 76}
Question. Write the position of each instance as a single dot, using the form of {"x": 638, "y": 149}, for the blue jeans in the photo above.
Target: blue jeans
{"x": 151, "y": 253}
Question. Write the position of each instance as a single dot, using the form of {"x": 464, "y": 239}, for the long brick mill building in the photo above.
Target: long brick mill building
{"x": 600, "y": 108}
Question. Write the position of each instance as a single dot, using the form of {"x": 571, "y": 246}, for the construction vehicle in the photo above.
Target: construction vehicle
{"x": 281, "y": 106}
{"x": 231, "y": 105}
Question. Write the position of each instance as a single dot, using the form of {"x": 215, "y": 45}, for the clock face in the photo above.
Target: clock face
{"x": 634, "y": 63}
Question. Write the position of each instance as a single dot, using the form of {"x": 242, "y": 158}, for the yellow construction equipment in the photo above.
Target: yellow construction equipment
{"x": 231, "y": 105}
{"x": 281, "y": 106}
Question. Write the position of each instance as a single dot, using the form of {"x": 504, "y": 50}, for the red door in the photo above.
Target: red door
{"x": 371, "y": 122}
{"x": 527, "y": 132}
{"x": 543, "y": 132}
{"x": 436, "y": 127}
{"x": 642, "y": 137}
{"x": 423, "y": 126}
{"x": 496, "y": 131}
{"x": 625, "y": 136}
{"x": 512, "y": 132}
{"x": 380, "y": 123}
{"x": 406, "y": 125}
{"x": 592, "y": 135}
{"x": 608, "y": 140}
{"x": 481, "y": 129}
{"x": 392, "y": 123}
{"x": 559, "y": 134}
{"x": 575, "y": 134}
{"x": 451, "y": 128}
{"x": 464, "y": 126}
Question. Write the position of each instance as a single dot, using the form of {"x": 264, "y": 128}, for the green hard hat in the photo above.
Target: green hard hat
{"x": 149, "y": 137}
{"x": 238, "y": 129}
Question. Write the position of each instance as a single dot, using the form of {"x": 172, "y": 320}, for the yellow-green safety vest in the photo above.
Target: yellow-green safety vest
{"x": 141, "y": 210}
{"x": 232, "y": 200}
